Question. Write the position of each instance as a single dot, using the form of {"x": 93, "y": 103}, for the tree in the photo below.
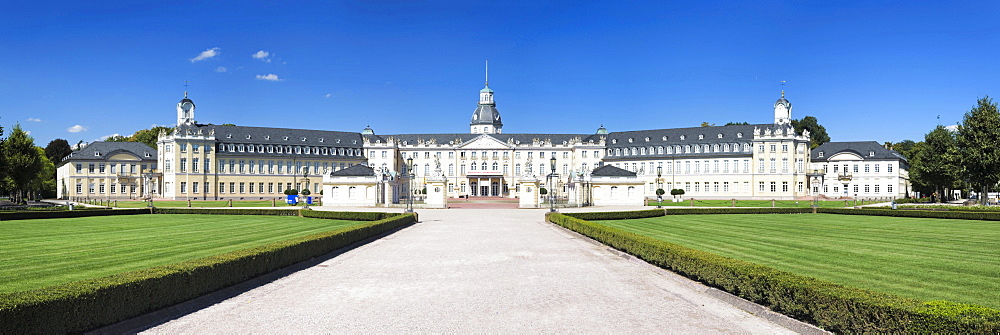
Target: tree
{"x": 706, "y": 124}
{"x": 44, "y": 183}
{"x": 23, "y": 162}
{"x": 904, "y": 148}
{"x": 978, "y": 136}
{"x": 57, "y": 150}
{"x": 817, "y": 133}
{"x": 938, "y": 162}
{"x": 737, "y": 123}
{"x": 147, "y": 136}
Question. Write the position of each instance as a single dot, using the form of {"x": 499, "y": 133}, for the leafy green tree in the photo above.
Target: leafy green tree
{"x": 44, "y": 183}
{"x": 147, "y": 136}
{"x": 117, "y": 138}
{"x": 57, "y": 150}
{"x": 979, "y": 143}
{"x": 817, "y": 133}
{"x": 938, "y": 163}
{"x": 904, "y": 148}
{"x": 23, "y": 162}
{"x": 706, "y": 124}
{"x": 737, "y": 123}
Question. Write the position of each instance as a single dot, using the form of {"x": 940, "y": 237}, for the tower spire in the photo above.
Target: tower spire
{"x": 185, "y": 89}
{"x": 487, "y": 72}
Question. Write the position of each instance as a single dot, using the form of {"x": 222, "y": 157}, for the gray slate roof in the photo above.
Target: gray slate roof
{"x": 354, "y": 171}
{"x": 611, "y": 171}
{"x": 447, "y": 139}
{"x": 486, "y": 114}
{"x": 108, "y": 149}
{"x": 279, "y": 136}
{"x": 730, "y": 134}
{"x": 863, "y": 149}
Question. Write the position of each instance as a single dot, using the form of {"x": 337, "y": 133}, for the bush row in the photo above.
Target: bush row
{"x": 353, "y": 216}
{"x": 962, "y": 215}
{"x": 84, "y": 305}
{"x": 27, "y": 215}
{"x": 648, "y": 213}
{"x": 827, "y": 305}
{"x": 235, "y": 211}
{"x": 738, "y": 210}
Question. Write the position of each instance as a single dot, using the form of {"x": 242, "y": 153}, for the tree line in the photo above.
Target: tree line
{"x": 964, "y": 158}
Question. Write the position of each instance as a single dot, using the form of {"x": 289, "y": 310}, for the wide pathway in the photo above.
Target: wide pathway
{"x": 462, "y": 271}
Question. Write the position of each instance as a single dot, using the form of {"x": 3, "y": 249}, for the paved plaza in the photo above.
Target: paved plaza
{"x": 486, "y": 270}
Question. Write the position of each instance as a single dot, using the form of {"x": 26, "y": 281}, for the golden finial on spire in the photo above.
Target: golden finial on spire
{"x": 185, "y": 89}
{"x": 782, "y": 89}
{"x": 487, "y": 72}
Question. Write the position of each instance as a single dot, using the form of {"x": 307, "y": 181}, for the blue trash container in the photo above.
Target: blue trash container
{"x": 292, "y": 199}
{"x": 309, "y": 200}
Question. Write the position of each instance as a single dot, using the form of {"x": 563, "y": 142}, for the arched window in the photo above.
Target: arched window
{"x": 631, "y": 191}
{"x": 642, "y": 150}
{"x": 484, "y": 166}
{"x": 659, "y": 150}
{"x": 697, "y": 149}
{"x": 614, "y": 191}
{"x": 746, "y": 147}
{"x": 496, "y": 167}
{"x": 687, "y": 148}
{"x": 705, "y": 147}
{"x": 715, "y": 148}
{"x": 472, "y": 167}
{"x": 635, "y": 151}
{"x": 618, "y": 151}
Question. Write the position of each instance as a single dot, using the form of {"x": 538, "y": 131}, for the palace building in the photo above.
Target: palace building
{"x": 751, "y": 161}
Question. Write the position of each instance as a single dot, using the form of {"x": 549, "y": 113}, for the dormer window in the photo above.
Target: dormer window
{"x": 147, "y": 154}
{"x": 280, "y": 149}
{"x": 248, "y": 137}
{"x": 614, "y": 141}
{"x": 647, "y": 139}
{"x": 664, "y": 138}
{"x": 820, "y": 154}
{"x": 268, "y": 137}
{"x": 683, "y": 137}
{"x": 629, "y": 140}
{"x": 97, "y": 153}
{"x": 286, "y": 138}
{"x": 701, "y": 137}
{"x": 720, "y": 136}
{"x": 338, "y": 141}
{"x": 739, "y": 135}
{"x": 229, "y": 135}
{"x": 872, "y": 153}
{"x": 303, "y": 139}
{"x": 320, "y": 140}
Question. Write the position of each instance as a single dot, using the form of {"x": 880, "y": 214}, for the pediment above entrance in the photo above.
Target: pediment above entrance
{"x": 485, "y": 142}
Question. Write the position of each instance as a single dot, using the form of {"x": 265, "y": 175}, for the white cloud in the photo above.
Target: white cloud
{"x": 34, "y": 119}
{"x": 220, "y": 69}
{"x": 206, "y": 54}
{"x": 270, "y": 76}
{"x": 262, "y": 55}
{"x": 76, "y": 129}
{"x": 107, "y": 137}
{"x": 328, "y": 95}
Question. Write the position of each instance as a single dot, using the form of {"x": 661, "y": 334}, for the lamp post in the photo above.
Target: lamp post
{"x": 409, "y": 185}
{"x": 305, "y": 182}
{"x": 552, "y": 186}
{"x": 659, "y": 188}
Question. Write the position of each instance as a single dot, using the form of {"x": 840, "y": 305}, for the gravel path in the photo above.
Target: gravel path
{"x": 462, "y": 271}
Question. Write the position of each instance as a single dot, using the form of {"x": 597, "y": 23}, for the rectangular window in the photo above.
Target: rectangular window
{"x": 888, "y": 168}
{"x": 876, "y": 188}
{"x": 855, "y": 168}
{"x": 715, "y": 187}
{"x": 866, "y": 189}
{"x": 113, "y": 169}
{"x": 697, "y": 187}
{"x": 184, "y": 187}
{"x": 243, "y": 188}
{"x": 784, "y": 165}
{"x": 208, "y": 165}
{"x": 760, "y": 187}
{"x": 194, "y": 187}
{"x": 784, "y": 186}
{"x": 855, "y": 188}
{"x": 835, "y": 169}
{"x": 774, "y": 165}
{"x": 867, "y": 168}
{"x": 760, "y": 166}
{"x": 232, "y": 187}
{"x": 725, "y": 166}
{"x": 113, "y": 188}
{"x": 252, "y": 188}
{"x": 222, "y": 187}
{"x": 784, "y": 148}
{"x": 687, "y": 167}
{"x": 876, "y": 168}
{"x": 194, "y": 165}
{"x": 183, "y": 166}
{"x": 270, "y": 187}
{"x": 725, "y": 187}
{"x": 774, "y": 187}
{"x": 888, "y": 188}
{"x": 102, "y": 170}
{"x": 801, "y": 186}
{"x": 79, "y": 188}
{"x": 774, "y": 147}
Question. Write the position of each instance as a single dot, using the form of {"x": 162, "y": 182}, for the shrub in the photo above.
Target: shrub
{"x": 648, "y": 213}
{"x": 660, "y": 192}
{"x": 353, "y": 216}
{"x": 738, "y": 210}
{"x": 827, "y": 305}
{"x": 239, "y": 211}
{"x": 961, "y": 215}
{"x": 291, "y": 191}
{"x": 84, "y": 305}
{"x": 27, "y": 215}
{"x": 305, "y": 192}
{"x": 676, "y": 192}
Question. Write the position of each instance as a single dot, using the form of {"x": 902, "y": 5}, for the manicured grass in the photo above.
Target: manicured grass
{"x": 926, "y": 259}
{"x": 38, "y": 253}
{"x": 761, "y": 203}
{"x": 198, "y": 203}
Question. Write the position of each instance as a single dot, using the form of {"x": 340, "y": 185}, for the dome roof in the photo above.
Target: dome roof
{"x": 486, "y": 90}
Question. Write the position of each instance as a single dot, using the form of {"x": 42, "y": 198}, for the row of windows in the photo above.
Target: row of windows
{"x": 256, "y": 167}
{"x": 490, "y": 154}
{"x": 113, "y": 167}
{"x": 682, "y": 137}
{"x": 773, "y": 166}
{"x": 689, "y": 167}
{"x": 856, "y": 188}
{"x": 111, "y": 188}
{"x": 494, "y": 167}
{"x": 241, "y": 187}
{"x": 279, "y": 149}
{"x": 857, "y": 168}
{"x": 679, "y": 149}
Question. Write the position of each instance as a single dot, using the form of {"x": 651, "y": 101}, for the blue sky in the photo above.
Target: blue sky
{"x": 867, "y": 70}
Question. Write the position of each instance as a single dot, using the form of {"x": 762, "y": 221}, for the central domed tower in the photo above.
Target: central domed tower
{"x": 486, "y": 118}
{"x": 782, "y": 110}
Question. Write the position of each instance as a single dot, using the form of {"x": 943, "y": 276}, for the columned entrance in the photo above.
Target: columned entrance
{"x": 487, "y": 186}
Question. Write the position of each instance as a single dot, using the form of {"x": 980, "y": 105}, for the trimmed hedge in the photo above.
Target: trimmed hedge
{"x": 235, "y": 211}
{"x": 353, "y": 216}
{"x": 962, "y": 215}
{"x": 827, "y": 305}
{"x": 647, "y": 213}
{"x": 88, "y": 304}
{"x": 738, "y": 210}
{"x": 28, "y": 215}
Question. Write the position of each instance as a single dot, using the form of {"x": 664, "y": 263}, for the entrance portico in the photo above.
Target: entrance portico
{"x": 487, "y": 185}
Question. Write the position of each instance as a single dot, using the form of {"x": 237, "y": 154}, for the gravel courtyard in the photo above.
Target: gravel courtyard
{"x": 488, "y": 270}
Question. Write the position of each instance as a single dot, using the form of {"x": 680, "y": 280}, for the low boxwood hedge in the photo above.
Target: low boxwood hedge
{"x": 962, "y": 215}
{"x": 84, "y": 305}
{"x": 353, "y": 216}
{"x": 27, "y": 215}
{"x": 738, "y": 210}
{"x": 647, "y": 213}
{"x": 827, "y": 305}
{"x": 234, "y": 211}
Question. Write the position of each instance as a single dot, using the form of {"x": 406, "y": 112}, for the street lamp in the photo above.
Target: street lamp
{"x": 659, "y": 188}
{"x": 552, "y": 186}
{"x": 305, "y": 182}
{"x": 409, "y": 185}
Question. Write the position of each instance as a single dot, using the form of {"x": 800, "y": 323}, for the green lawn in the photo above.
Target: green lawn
{"x": 926, "y": 259}
{"x": 759, "y": 203}
{"x": 38, "y": 253}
